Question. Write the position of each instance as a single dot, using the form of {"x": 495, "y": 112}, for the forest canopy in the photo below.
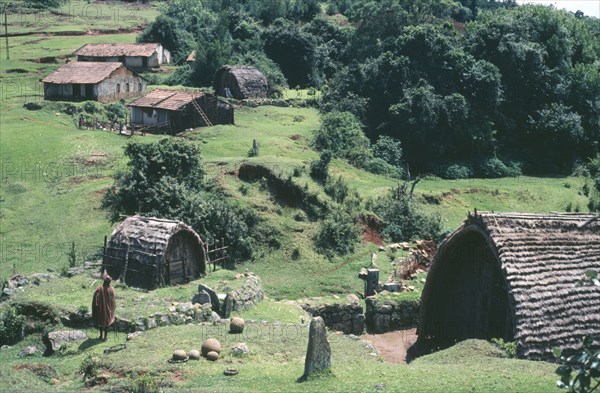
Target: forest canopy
{"x": 477, "y": 87}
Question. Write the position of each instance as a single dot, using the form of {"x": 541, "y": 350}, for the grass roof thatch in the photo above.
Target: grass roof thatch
{"x": 141, "y": 243}
{"x": 541, "y": 258}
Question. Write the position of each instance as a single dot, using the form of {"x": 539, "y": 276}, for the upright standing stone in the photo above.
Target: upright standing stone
{"x": 318, "y": 353}
{"x": 372, "y": 282}
{"x": 228, "y": 305}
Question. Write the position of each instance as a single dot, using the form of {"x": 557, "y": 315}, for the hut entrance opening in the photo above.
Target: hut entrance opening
{"x": 183, "y": 261}
{"x": 470, "y": 299}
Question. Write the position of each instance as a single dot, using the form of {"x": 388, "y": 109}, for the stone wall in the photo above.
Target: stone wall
{"x": 244, "y": 298}
{"x": 392, "y": 311}
{"x": 346, "y": 318}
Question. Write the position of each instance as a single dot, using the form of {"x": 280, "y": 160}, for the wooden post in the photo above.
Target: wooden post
{"x": 222, "y": 252}
{"x": 104, "y": 256}
{"x": 126, "y": 263}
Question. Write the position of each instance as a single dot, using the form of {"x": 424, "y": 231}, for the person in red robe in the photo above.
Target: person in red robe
{"x": 103, "y": 307}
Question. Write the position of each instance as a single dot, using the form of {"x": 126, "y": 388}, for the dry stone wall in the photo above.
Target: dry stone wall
{"x": 346, "y": 318}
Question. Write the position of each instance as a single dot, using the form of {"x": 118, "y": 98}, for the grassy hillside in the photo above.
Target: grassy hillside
{"x": 53, "y": 178}
{"x": 276, "y": 361}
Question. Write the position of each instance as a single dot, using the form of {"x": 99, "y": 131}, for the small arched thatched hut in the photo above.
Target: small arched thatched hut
{"x": 513, "y": 276}
{"x": 240, "y": 82}
{"x": 150, "y": 252}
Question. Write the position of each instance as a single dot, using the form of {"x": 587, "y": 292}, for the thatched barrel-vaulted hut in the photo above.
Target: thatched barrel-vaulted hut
{"x": 150, "y": 252}
{"x": 514, "y": 276}
{"x": 240, "y": 82}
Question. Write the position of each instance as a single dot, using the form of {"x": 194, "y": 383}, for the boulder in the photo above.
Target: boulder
{"x": 214, "y": 298}
{"x": 201, "y": 297}
{"x": 240, "y": 349}
{"x": 28, "y": 351}
{"x": 318, "y": 353}
{"x": 236, "y": 325}
{"x": 211, "y": 345}
{"x": 179, "y": 355}
{"x": 353, "y": 299}
{"x": 212, "y": 356}
{"x": 194, "y": 354}
{"x": 184, "y": 307}
{"x": 61, "y": 338}
{"x": 392, "y": 287}
{"x": 133, "y": 335}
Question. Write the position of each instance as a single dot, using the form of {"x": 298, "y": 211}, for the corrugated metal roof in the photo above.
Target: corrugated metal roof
{"x": 111, "y": 50}
{"x": 83, "y": 72}
{"x": 166, "y": 99}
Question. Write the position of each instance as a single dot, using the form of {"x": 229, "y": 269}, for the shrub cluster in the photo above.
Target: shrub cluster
{"x": 11, "y": 326}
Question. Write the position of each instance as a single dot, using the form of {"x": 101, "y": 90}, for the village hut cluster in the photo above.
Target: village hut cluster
{"x": 111, "y": 72}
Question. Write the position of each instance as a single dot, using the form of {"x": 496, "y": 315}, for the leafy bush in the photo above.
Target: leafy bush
{"x": 579, "y": 371}
{"x": 594, "y": 191}
{"x": 116, "y": 111}
{"x": 402, "y": 220}
{"x": 337, "y": 234}
{"x": 457, "y": 171}
{"x": 181, "y": 76}
{"x": 92, "y": 107}
{"x": 494, "y": 168}
{"x": 89, "y": 366}
{"x": 340, "y": 133}
{"x": 336, "y": 189}
{"x": 318, "y": 168}
{"x": 381, "y": 167}
{"x": 510, "y": 347}
{"x": 145, "y": 384}
{"x": 11, "y": 327}
{"x": 388, "y": 149}
{"x": 44, "y": 4}
{"x": 164, "y": 179}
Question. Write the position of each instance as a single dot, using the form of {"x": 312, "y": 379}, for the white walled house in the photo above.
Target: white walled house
{"x": 137, "y": 56}
{"x": 104, "y": 82}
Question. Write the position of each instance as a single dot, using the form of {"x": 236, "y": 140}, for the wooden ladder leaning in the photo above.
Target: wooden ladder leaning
{"x": 201, "y": 113}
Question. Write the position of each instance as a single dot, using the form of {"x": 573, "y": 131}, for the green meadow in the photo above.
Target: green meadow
{"x": 53, "y": 176}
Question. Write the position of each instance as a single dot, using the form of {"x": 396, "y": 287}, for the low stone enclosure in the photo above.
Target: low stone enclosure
{"x": 199, "y": 309}
{"x": 346, "y": 318}
{"x": 384, "y": 312}
{"x": 393, "y": 311}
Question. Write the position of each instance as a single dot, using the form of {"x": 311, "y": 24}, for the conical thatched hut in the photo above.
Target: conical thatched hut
{"x": 150, "y": 252}
{"x": 514, "y": 276}
{"x": 240, "y": 82}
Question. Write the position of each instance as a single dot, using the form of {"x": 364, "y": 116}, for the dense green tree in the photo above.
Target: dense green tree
{"x": 167, "y": 31}
{"x": 388, "y": 149}
{"x": 164, "y": 179}
{"x": 594, "y": 169}
{"x": 340, "y": 133}
{"x": 294, "y": 51}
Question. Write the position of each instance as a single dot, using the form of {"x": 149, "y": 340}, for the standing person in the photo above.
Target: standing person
{"x": 103, "y": 307}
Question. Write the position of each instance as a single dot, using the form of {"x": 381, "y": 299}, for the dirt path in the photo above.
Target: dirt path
{"x": 393, "y": 346}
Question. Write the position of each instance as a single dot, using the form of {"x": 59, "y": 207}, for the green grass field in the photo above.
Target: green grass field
{"x": 276, "y": 361}
{"x": 52, "y": 180}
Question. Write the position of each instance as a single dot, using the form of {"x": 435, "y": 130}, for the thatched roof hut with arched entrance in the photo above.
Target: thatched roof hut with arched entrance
{"x": 240, "y": 82}
{"x": 514, "y": 276}
{"x": 148, "y": 252}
